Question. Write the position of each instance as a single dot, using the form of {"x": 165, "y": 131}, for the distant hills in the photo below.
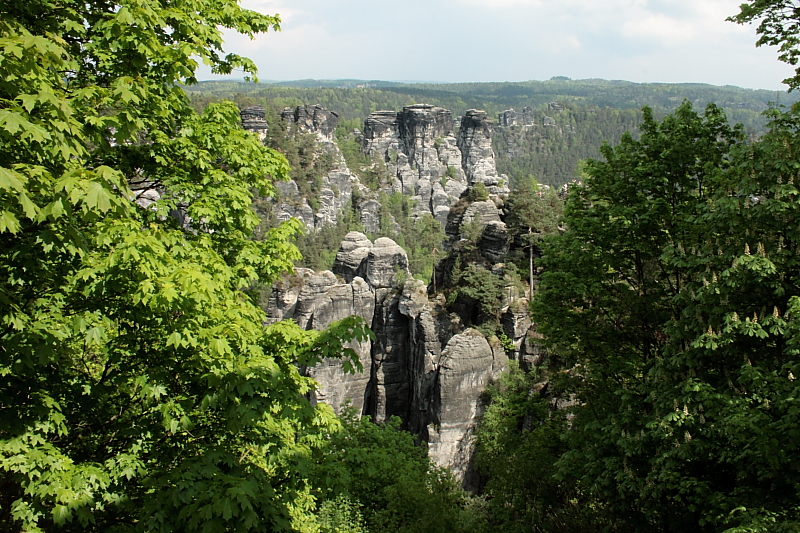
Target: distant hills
{"x": 573, "y": 117}
{"x": 498, "y": 96}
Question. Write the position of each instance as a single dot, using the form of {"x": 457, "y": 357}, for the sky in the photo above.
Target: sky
{"x": 673, "y": 41}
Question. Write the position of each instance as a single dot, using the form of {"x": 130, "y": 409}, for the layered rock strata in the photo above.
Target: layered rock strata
{"x": 312, "y": 119}
{"x": 509, "y": 118}
{"x": 422, "y": 366}
{"x": 254, "y": 119}
{"x": 477, "y": 154}
{"x": 337, "y": 186}
{"x": 425, "y": 158}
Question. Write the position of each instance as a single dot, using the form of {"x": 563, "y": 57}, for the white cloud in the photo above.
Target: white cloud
{"x": 660, "y": 27}
{"x": 483, "y": 40}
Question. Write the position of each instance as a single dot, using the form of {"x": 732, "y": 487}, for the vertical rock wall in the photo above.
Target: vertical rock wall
{"x": 427, "y": 161}
{"x": 477, "y": 154}
{"x": 419, "y": 147}
{"x": 423, "y": 366}
{"x": 337, "y": 185}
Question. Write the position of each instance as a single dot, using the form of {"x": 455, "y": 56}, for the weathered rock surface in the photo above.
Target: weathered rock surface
{"x": 337, "y": 186}
{"x": 465, "y": 368}
{"x": 385, "y": 261}
{"x": 424, "y": 160}
{"x": 254, "y": 119}
{"x": 312, "y": 119}
{"x": 422, "y": 366}
{"x": 353, "y": 250}
{"x": 335, "y": 386}
{"x": 509, "y": 118}
{"x": 493, "y": 242}
{"x": 477, "y": 154}
{"x": 421, "y": 154}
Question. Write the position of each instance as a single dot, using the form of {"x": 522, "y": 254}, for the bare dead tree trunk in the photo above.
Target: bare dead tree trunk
{"x": 530, "y": 266}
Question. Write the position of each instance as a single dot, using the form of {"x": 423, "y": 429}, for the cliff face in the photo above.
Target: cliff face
{"x": 509, "y": 118}
{"x": 424, "y": 365}
{"x": 254, "y": 119}
{"x": 420, "y": 152}
{"x": 424, "y": 158}
{"x": 337, "y": 185}
{"x": 312, "y": 119}
{"x": 477, "y": 154}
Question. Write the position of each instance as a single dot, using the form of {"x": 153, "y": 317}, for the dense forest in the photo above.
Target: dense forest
{"x": 573, "y": 118}
{"x": 140, "y": 389}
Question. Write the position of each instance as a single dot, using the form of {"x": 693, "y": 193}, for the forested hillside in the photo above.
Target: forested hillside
{"x": 585, "y": 114}
{"x": 619, "y": 355}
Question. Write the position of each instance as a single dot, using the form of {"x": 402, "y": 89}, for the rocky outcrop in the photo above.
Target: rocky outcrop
{"x": 421, "y": 155}
{"x": 509, "y": 118}
{"x": 254, "y": 119}
{"x": 337, "y": 186}
{"x": 422, "y": 365}
{"x": 477, "y": 154}
{"x": 493, "y": 242}
{"x": 338, "y": 302}
{"x": 353, "y": 250}
{"x": 312, "y": 119}
{"x": 465, "y": 368}
{"x": 381, "y": 131}
{"x": 418, "y": 147}
{"x": 386, "y": 261}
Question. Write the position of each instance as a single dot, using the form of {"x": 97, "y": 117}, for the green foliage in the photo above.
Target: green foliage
{"x": 673, "y": 291}
{"x": 421, "y": 237}
{"x": 597, "y": 95}
{"x": 533, "y": 213}
{"x": 533, "y": 210}
{"x": 779, "y": 26}
{"x": 506, "y": 342}
{"x": 308, "y": 163}
{"x": 475, "y": 288}
{"x": 399, "y": 489}
{"x": 426, "y": 247}
{"x": 518, "y": 445}
{"x": 340, "y": 515}
{"x": 139, "y": 390}
{"x": 478, "y": 193}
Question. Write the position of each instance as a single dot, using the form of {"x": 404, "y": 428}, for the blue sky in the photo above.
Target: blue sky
{"x": 510, "y": 40}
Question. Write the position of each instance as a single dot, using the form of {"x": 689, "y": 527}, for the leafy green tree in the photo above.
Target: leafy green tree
{"x": 674, "y": 294}
{"x": 779, "y": 26}
{"x": 533, "y": 214}
{"x": 608, "y": 292}
{"x": 427, "y": 236}
{"x": 478, "y": 193}
{"x": 731, "y": 356}
{"x": 518, "y": 444}
{"x": 139, "y": 390}
{"x": 381, "y": 468}
{"x": 340, "y": 515}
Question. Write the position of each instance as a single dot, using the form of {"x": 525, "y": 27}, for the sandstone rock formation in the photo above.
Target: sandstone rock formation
{"x": 312, "y": 119}
{"x": 477, "y": 154}
{"x": 426, "y": 160}
{"x": 420, "y": 152}
{"x": 423, "y": 365}
{"x": 509, "y": 118}
{"x": 254, "y": 119}
{"x": 337, "y": 186}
